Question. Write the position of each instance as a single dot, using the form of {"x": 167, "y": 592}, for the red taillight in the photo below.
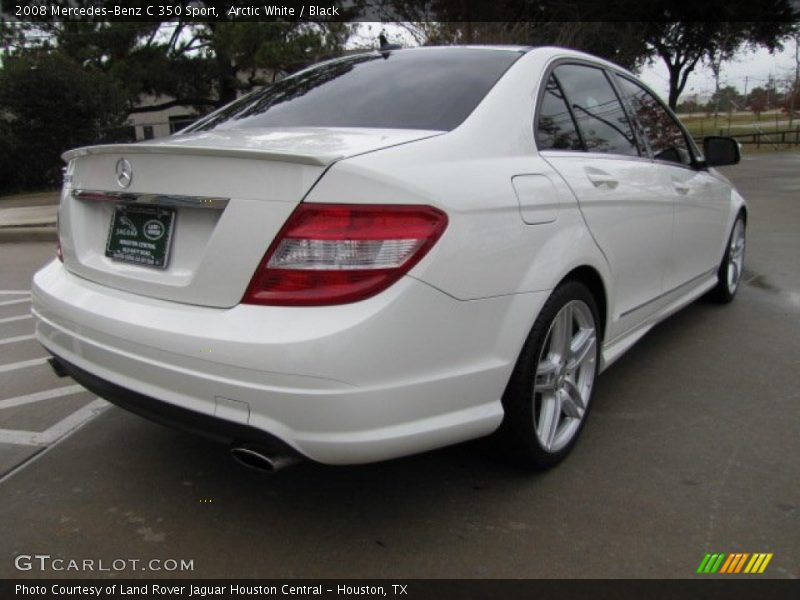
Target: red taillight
{"x": 339, "y": 253}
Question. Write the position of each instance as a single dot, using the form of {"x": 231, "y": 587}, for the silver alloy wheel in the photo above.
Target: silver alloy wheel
{"x": 736, "y": 256}
{"x": 564, "y": 376}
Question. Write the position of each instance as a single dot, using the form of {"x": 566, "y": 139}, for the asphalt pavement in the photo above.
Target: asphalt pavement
{"x": 692, "y": 447}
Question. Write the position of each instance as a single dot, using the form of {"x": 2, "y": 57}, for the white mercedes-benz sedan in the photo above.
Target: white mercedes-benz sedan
{"x": 388, "y": 253}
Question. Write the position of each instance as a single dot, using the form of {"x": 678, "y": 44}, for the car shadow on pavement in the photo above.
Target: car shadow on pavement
{"x": 123, "y": 482}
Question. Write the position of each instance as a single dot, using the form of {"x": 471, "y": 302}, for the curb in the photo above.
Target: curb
{"x": 34, "y": 233}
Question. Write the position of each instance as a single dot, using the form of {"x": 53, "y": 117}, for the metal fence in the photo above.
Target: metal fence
{"x": 787, "y": 137}
{"x": 778, "y": 139}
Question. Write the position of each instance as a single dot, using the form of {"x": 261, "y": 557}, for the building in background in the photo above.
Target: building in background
{"x": 151, "y": 124}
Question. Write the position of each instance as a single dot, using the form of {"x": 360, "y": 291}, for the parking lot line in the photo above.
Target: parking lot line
{"x": 17, "y": 301}
{"x": 18, "y": 338}
{"x": 24, "y": 364}
{"x": 57, "y": 431}
{"x": 16, "y": 292}
{"x": 67, "y": 390}
{"x": 17, "y": 318}
{"x": 73, "y": 421}
{"x": 19, "y": 437}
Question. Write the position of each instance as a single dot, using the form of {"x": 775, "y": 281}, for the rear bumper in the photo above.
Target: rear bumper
{"x": 221, "y": 430}
{"x": 403, "y": 372}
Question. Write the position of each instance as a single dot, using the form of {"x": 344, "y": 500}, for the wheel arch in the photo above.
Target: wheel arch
{"x": 591, "y": 278}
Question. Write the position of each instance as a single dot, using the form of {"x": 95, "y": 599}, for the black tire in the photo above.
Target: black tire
{"x": 518, "y": 432}
{"x": 724, "y": 292}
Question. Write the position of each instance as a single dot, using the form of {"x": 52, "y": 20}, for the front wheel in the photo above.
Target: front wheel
{"x": 549, "y": 393}
{"x": 730, "y": 269}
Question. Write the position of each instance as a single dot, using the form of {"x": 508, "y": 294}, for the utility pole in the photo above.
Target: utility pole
{"x": 796, "y": 87}
{"x": 746, "y": 103}
{"x": 716, "y": 67}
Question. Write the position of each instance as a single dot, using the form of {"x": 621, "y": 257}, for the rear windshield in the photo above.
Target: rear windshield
{"x": 407, "y": 89}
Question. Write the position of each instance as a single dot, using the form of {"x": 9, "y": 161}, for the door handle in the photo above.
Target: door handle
{"x": 602, "y": 179}
{"x": 680, "y": 187}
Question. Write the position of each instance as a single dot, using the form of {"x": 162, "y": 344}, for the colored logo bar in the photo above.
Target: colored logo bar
{"x": 737, "y": 562}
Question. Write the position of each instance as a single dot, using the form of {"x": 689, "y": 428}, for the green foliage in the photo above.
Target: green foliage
{"x": 238, "y": 56}
{"x": 758, "y": 100}
{"x": 205, "y": 65}
{"x": 71, "y": 83}
{"x": 712, "y": 31}
{"x": 727, "y": 99}
{"x": 48, "y": 104}
{"x": 791, "y": 100}
{"x": 535, "y": 23}
{"x": 689, "y": 106}
{"x": 636, "y": 31}
{"x": 68, "y": 83}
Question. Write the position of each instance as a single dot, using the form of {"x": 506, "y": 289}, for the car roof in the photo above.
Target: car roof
{"x": 547, "y": 52}
{"x": 506, "y": 47}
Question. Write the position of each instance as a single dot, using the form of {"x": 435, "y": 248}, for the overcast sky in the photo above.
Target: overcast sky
{"x": 756, "y": 67}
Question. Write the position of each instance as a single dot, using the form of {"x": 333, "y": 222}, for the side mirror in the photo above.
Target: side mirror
{"x": 721, "y": 151}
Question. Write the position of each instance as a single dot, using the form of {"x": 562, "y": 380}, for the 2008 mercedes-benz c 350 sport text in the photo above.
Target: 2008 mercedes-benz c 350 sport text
{"x": 389, "y": 252}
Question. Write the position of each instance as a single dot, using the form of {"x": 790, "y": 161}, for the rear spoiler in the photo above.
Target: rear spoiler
{"x": 319, "y": 160}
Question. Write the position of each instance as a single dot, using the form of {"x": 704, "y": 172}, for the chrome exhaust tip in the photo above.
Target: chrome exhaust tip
{"x": 263, "y": 460}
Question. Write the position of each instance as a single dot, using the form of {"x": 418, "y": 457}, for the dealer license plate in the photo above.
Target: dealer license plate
{"x": 141, "y": 235}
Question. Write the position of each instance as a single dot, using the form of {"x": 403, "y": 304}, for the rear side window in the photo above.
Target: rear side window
{"x": 597, "y": 109}
{"x": 659, "y": 129}
{"x": 407, "y": 89}
{"x": 556, "y": 129}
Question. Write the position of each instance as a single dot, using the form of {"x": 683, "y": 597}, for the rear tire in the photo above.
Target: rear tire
{"x": 730, "y": 271}
{"x": 549, "y": 394}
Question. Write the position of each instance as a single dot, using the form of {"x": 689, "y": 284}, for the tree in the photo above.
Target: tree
{"x": 49, "y": 104}
{"x": 615, "y": 41}
{"x": 629, "y": 33}
{"x": 689, "y": 106}
{"x": 791, "y": 100}
{"x": 523, "y": 22}
{"x": 727, "y": 99}
{"x": 119, "y": 63}
{"x": 757, "y": 101}
{"x": 794, "y": 97}
{"x": 773, "y": 95}
{"x": 201, "y": 64}
{"x": 712, "y": 31}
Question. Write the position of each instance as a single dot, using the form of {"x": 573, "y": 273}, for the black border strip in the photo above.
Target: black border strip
{"x": 509, "y": 11}
{"x": 730, "y": 588}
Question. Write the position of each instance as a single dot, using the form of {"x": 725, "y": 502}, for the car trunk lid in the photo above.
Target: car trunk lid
{"x": 224, "y": 196}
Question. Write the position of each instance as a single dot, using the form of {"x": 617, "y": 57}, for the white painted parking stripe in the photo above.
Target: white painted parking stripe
{"x": 16, "y": 292}
{"x": 19, "y": 338}
{"x": 75, "y": 420}
{"x": 67, "y": 390}
{"x": 17, "y": 301}
{"x": 18, "y": 318}
{"x": 57, "y": 431}
{"x": 22, "y": 364}
{"x": 21, "y": 438}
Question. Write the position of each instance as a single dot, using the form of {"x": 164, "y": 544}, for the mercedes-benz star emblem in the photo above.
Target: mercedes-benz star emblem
{"x": 124, "y": 173}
